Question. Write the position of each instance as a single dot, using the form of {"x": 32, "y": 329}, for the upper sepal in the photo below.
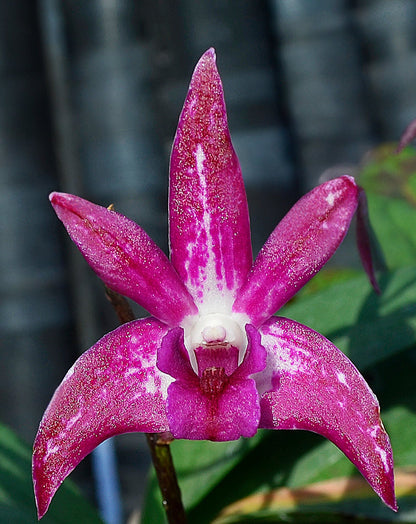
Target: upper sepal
{"x": 114, "y": 387}
{"x": 310, "y": 384}
{"x": 124, "y": 257}
{"x": 208, "y": 213}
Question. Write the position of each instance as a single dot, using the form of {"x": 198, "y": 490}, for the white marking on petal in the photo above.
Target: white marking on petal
{"x": 281, "y": 358}
{"x": 200, "y": 159}
{"x": 383, "y": 456}
{"x": 72, "y": 420}
{"x": 50, "y": 449}
{"x": 150, "y": 385}
{"x": 332, "y": 196}
{"x": 208, "y": 287}
{"x": 132, "y": 371}
{"x": 341, "y": 378}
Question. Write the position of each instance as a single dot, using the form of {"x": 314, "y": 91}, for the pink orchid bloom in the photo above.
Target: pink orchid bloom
{"x": 212, "y": 362}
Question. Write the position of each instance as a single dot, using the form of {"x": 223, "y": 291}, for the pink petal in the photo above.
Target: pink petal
{"x": 364, "y": 240}
{"x": 113, "y": 388}
{"x": 309, "y": 384}
{"x": 209, "y": 223}
{"x": 408, "y": 136}
{"x": 124, "y": 257}
{"x": 211, "y": 406}
{"x": 298, "y": 248}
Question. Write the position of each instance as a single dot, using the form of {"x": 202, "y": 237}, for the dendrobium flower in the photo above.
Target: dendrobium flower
{"x": 211, "y": 362}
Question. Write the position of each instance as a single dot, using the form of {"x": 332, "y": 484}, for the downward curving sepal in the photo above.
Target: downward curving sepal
{"x": 114, "y": 387}
{"x": 208, "y": 213}
{"x": 297, "y": 249}
{"x": 124, "y": 257}
{"x": 309, "y": 384}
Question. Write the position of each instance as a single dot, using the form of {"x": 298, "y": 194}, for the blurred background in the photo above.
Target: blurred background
{"x": 90, "y": 94}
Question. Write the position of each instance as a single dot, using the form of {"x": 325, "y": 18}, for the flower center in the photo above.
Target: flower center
{"x": 213, "y": 330}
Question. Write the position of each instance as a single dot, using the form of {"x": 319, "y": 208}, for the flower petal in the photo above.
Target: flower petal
{"x": 113, "y": 388}
{"x": 211, "y": 406}
{"x": 124, "y": 257}
{"x": 309, "y": 384}
{"x": 298, "y": 248}
{"x": 208, "y": 213}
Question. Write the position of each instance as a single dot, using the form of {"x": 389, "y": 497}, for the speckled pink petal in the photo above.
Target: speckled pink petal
{"x": 208, "y": 214}
{"x": 113, "y": 388}
{"x": 309, "y": 384}
{"x": 408, "y": 136}
{"x": 125, "y": 257}
{"x": 211, "y": 406}
{"x": 364, "y": 239}
{"x": 298, "y": 248}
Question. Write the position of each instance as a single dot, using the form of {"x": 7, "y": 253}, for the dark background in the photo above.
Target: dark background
{"x": 90, "y": 94}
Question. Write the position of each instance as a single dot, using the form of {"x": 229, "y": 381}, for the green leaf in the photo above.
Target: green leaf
{"x": 16, "y": 492}
{"x": 393, "y": 221}
{"x": 384, "y": 172}
{"x": 390, "y": 182}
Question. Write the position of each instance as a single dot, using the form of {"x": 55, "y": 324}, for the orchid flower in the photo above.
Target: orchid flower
{"x": 211, "y": 362}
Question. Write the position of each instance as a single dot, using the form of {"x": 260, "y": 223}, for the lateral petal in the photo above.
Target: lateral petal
{"x": 208, "y": 214}
{"x": 297, "y": 249}
{"x": 124, "y": 257}
{"x": 114, "y": 387}
{"x": 310, "y": 384}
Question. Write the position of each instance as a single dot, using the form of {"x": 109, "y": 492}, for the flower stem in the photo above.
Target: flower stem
{"x": 159, "y": 443}
{"x": 166, "y": 476}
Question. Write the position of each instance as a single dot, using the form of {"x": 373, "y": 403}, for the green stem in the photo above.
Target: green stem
{"x": 159, "y": 443}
